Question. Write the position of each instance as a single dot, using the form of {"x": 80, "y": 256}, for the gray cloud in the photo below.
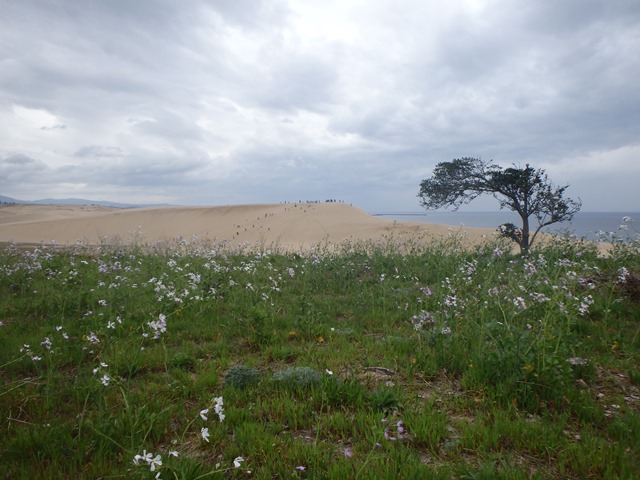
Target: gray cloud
{"x": 99, "y": 151}
{"x": 254, "y": 100}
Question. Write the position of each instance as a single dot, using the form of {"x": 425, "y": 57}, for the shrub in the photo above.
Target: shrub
{"x": 241, "y": 376}
{"x": 298, "y": 377}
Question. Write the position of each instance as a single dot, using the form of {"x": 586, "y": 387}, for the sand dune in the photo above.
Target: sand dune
{"x": 291, "y": 226}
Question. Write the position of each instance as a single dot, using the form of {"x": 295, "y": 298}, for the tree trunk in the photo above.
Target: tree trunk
{"x": 524, "y": 241}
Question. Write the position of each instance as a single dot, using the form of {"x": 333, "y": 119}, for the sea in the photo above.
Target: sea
{"x": 625, "y": 225}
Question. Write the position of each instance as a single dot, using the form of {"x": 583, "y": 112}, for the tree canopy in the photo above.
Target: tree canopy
{"x": 526, "y": 191}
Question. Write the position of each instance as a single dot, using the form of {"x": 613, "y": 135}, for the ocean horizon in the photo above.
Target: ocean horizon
{"x": 584, "y": 224}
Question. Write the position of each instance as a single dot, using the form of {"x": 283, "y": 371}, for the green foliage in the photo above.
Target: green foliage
{"x": 526, "y": 191}
{"x": 298, "y": 377}
{"x": 241, "y": 376}
{"x": 384, "y": 400}
{"x": 498, "y": 366}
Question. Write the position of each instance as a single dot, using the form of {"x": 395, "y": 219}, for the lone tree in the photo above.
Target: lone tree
{"x": 526, "y": 191}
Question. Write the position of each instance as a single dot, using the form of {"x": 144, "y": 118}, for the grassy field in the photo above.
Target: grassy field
{"x": 380, "y": 361}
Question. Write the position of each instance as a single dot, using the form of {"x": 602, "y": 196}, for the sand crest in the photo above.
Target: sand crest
{"x": 290, "y": 226}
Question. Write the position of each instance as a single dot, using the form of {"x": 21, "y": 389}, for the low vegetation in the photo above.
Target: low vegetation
{"x": 390, "y": 360}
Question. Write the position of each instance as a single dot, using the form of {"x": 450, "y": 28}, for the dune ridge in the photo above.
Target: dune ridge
{"x": 292, "y": 226}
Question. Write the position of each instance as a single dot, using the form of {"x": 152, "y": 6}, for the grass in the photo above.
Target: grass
{"x": 390, "y": 360}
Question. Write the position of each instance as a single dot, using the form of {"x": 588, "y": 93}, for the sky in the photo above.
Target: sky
{"x": 219, "y": 102}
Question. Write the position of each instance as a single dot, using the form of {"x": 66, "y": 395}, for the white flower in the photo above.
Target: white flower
{"x": 204, "y": 431}
{"x": 217, "y": 407}
{"x": 329, "y": 372}
{"x": 173, "y": 453}
{"x": 577, "y": 361}
{"x": 155, "y": 462}
{"x": 93, "y": 338}
{"x": 203, "y": 414}
{"x": 237, "y": 461}
{"x": 105, "y": 380}
{"x": 145, "y": 456}
{"x": 623, "y": 274}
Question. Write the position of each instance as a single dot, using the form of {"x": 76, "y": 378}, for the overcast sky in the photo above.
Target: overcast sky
{"x": 220, "y": 102}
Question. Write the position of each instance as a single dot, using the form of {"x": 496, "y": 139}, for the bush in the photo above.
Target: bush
{"x": 298, "y": 377}
{"x": 241, "y": 376}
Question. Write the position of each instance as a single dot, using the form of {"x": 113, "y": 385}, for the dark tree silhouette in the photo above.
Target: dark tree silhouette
{"x": 526, "y": 191}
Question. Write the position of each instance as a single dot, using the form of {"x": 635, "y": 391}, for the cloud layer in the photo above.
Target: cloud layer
{"x": 249, "y": 101}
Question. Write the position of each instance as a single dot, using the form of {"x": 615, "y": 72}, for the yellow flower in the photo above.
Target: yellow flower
{"x": 528, "y": 368}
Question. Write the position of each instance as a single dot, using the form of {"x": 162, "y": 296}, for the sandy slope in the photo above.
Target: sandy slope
{"x": 291, "y": 226}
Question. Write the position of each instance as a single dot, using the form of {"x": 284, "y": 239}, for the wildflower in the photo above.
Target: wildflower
{"x": 155, "y": 462}
{"x": 106, "y": 379}
{"x": 422, "y": 320}
{"x": 451, "y": 301}
{"x": 347, "y": 452}
{"x": 204, "y": 431}
{"x": 302, "y": 468}
{"x": 92, "y": 338}
{"x": 623, "y": 274}
{"x": 577, "y": 361}
{"x": 217, "y": 407}
{"x": 203, "y": 414}
{"x": 426, "y": 291}
{"x": 446, "y": 331}
{"x": 173, "y": 453}
{"x": 519, "y": 303}
{"x": 497, "y": 252}
{"x": 237, "y": 462}
{"x": 145, "y": 456}
{"x": 159, "y": 326}
{"x": 102, "y": 303}
{"x": 584, "y": 305}
{"x": 328, "y": 372}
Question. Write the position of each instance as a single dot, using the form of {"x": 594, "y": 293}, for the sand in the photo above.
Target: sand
{"x": 290, "y": 226}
